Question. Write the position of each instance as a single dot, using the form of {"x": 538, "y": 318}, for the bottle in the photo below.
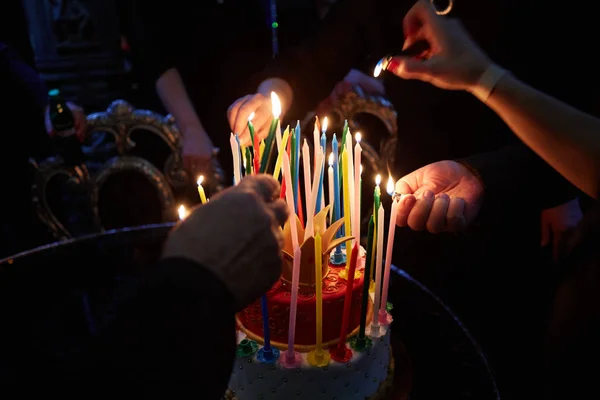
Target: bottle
{"x": 63, "y": 124}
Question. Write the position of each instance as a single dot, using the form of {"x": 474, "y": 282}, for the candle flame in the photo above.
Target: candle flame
{"x": 182, "y": 212}
{"x": 251, "y": 116}
{"x": 200, "y": 180}
{"x": 390, "y": 186}
{"x": 331, "y": 159}
{"x": 378, "y": 180}
{"x": 378, "y": 68}
{"x": 358, "y": 137}
{"x": 325, "y": 124}
{"x": 361, "y": 169}
{"x": 275, "y": 105}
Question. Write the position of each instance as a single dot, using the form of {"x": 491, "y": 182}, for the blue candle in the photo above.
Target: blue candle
{"x": 320, "y": 190}
{"x": 297, "y": 163}
{"x": 240, "y": 155}
{"x": 266, "y": 328}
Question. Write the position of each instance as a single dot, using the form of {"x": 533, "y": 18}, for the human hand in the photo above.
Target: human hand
{"x": 237, "y": 235}
{"x": 197, "y": 151}
{"x": 441, "y": 197}
{"x": 78, "y": 116}
{"x": 557, "y": 222}
{"x": 239, "y": 112}
{"x": 454, "y": 61}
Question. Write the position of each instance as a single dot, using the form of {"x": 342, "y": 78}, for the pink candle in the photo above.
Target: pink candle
{"x": 294, "y": 302}
{"x": 388, "y": 261}
{"x": 357, "y": 172}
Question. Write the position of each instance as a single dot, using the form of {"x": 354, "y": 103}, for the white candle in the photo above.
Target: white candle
{"x": 330, "y": 181}
{"x": 316, "y": 141}
{"x": 378, "y": 264}
{"x": 235, "y": 151}
{"x": 357, "y": 173}
{"x": 388, "y": 257}
{"x": 310, "y": 210}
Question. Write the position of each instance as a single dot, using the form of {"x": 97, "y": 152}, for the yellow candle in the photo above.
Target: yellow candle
{"x": 261, "y": 149}
{"x": 347, "y": 198}
{"x": 319, "y": 292}
{"x": 201, "y": 189}
{"x": 280, "y": 150}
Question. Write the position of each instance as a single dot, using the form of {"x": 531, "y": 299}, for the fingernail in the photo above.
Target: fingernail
{"x": 428, "y": 194}
{"x": 393, "y": 66}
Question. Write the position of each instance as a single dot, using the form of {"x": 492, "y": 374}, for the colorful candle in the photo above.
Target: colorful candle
{"x": 281, "y": 148}
{"x": 365, "y": 297}
{"x": 378, "y": 265}
{"x": 315, "y": 140}
{"x": 296, "y": 166}
{"x": 376, "y": 203}
{"x": 342, "y": 353}
{"x": 330, "y": 182}
{"x": 319, "y": 292}
{"x": 240, "y": 155}
{"x": 357, "y": 172}
{"x": 248, "y": 162}
{"x": 251, "y": 128}
{"x": 320, "y": 202}
{"x": 294, "y": 303}
{"x": 310, "y": 208}
{"x": 267, "y": 159}
{"x": 235, "y": 152}
{"x": 346, "y": 188}
{"x": 201, "y": 189}
{"x": 307, "y": 181}
{"x": 349, "y": 170}
{"x": 388, "y": 261}
{"x": 289, "y": 197}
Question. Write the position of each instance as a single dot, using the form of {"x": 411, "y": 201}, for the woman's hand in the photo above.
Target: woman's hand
{"x": 454, "y": 61}
{"x": 78, "y": 116}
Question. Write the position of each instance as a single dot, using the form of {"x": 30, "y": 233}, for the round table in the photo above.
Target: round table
{"x": 66, "y": 290}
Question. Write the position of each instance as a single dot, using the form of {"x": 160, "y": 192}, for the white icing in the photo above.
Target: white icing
{"x": 358, "y": 379}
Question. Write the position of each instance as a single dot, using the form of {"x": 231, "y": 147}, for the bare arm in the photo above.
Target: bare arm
{"x": 172, "y": 93}
{"x": 566, "y": 138}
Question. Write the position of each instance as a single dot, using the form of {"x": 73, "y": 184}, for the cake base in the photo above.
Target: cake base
{"x": 383, "y": 393}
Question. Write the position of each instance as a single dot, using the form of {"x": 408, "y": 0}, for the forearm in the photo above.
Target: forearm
{"x": 563, "y": 136}
{"x": 174, "y": 96}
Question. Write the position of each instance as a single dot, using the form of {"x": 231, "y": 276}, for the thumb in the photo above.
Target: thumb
{"x": 411, "y": 68}
{"x": 407, "y": 184}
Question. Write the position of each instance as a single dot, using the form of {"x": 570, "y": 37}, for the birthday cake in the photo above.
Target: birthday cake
{"x": 313, "y": 334}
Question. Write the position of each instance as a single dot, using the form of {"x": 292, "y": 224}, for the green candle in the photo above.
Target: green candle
{"x": 376, "y": 203}
{"x": 268, "y": 158}
{"x": 293, "y": 171}
{"x": 251, "y": 129}
{"x": 248, "y": 161}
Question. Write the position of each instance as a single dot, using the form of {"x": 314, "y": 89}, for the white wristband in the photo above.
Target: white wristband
{"x": 487, "y": 82}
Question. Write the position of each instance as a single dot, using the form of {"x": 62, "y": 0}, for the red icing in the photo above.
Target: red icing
{"x": 278, "y": 300}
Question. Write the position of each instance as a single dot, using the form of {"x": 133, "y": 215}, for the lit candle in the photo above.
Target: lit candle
{"x": 267, "y": 159}
{"x": 182, "y": 212}
{"x": 378, "y": 268}
{"x": 251, "y": 128}
{"x": 201, "y": 189}
{"x": 357, "y": 172}
{"x": 320, "y": 199}
{"x": 330, "y": 181}
{"x": 315, "y": 140}
{"x": 337, "y": 256}
{"x": 342, "y": 353}
{"x": 383, "y": 317}
{"x": 280, "y": 150}
{"x": 298, "y": 135}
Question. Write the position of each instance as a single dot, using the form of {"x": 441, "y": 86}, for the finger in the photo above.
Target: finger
{"x": 413, "y": 68}
{"x": 264, "y": 185}
{"x": 417, "y": 218}
{"x": 233, "y": 109}
{"x": 280, "y": 211}
{"x": 406, "y": 205}
{"x": 252, "y": 105}
{"x": 421, "y": 15}
{"x": 455, "y": 219}
{"x": 436, "y": 222}
{"x": 406, "y": 184}
{"x": 262, "y": 129}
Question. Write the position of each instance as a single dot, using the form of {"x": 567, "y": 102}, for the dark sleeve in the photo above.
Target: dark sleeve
{"x": 342, "y": 42}
{"x": 177, "y": 334}
{"x": 517, "y": 173}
